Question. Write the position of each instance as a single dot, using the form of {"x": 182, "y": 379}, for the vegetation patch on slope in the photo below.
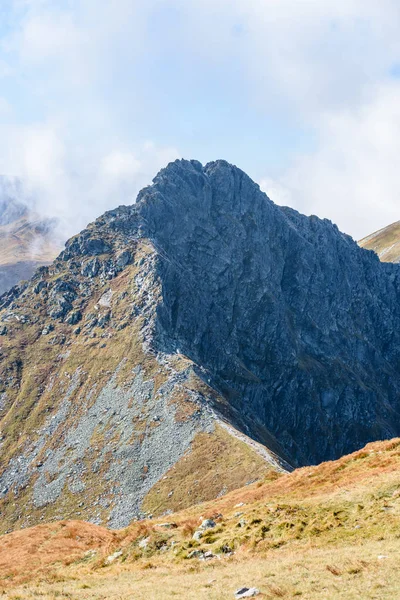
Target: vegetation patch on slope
{"x": 92, "y": 418}
{"x": 215, "y": 464}
{"x": 385, "y": 242}
{"x": 319, "y": 532}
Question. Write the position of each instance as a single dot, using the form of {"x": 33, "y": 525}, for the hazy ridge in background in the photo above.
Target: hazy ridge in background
{"x": 27, "y": 239}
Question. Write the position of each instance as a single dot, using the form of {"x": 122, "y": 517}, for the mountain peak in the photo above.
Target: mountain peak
{"x": 201, "y": 317}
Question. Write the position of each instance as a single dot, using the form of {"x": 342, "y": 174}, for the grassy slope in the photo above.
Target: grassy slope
{"x": 330, "y": 531}
{"x": 216, "y": 464}
{"x": 385, "y": 242}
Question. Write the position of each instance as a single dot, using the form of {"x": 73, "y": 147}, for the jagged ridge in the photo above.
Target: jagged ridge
{"x": 202, "y": 304}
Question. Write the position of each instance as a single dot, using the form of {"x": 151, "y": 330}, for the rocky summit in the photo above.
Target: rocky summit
{"x": 186, "y": 345}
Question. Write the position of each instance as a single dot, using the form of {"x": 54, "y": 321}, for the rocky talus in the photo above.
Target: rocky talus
{"x": 186, "y": 345}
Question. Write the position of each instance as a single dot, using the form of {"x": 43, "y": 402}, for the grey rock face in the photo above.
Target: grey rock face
{"x": 85, "y": 245}
{"x": 91, "y": 268}
{"x": 292, "y": 321}
{"x": 124, "y": 259}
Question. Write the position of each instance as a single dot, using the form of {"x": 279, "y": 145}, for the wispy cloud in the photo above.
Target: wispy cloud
{"x": 352, "y": 177}
{"x": 86, "y": 84}
{"x": 75, "y": 185}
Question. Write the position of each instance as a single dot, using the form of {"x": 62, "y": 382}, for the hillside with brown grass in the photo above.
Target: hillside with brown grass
{"x": 385, "y": 242}
{"x": 330, "y": 531}
{"x": 162, "y": 377}
{"x": 95, "y": 426}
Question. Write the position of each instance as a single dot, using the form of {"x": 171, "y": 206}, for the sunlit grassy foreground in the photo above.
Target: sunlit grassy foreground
{"x": 331, "y": 531}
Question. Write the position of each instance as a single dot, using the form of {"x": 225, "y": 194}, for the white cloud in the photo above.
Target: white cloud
{"x": 327, "y": 65}
{"x": 73, "y": 161}
{"x": 276, "y": 191}
{"x": 121, "y": 164}
{"x": 353, "y": 175}
{"x": 73, "y": 188}
{"x": 321, "y": 66}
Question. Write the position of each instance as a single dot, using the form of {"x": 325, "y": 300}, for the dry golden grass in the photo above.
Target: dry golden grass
{"x": 386, "y": 243}
{"x": 331, "y": 531}
{"x": 217, "y": 463}
{"x": 33, "y": 550}
{"x": 349, "y": 573}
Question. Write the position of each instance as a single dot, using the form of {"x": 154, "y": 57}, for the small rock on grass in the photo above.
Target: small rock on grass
{"x": 195, "y": 554}
{"x": 201, "y": 555}
{"x": 110, "y": 559}
{"x": 208, "y": 524}
{"x": 208, "y": 555}
{"x": 245, "y": 592}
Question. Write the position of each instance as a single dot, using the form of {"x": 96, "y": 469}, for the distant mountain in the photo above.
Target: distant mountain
{"x": 186, "y": 345}
{"x": 385, "y": 242}
{"x": 26, "y": 240}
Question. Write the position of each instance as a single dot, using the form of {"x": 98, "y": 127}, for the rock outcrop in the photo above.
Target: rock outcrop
{"x": 182, "y": 346}
{"x": 295, "y": 325}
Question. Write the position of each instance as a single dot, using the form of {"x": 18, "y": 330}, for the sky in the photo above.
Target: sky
{"x": 304, "y": 95}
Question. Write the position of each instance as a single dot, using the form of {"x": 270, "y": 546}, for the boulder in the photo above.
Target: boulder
{"x": 94, "y": 247}
{"x": 110, "y": 559}
{"x": 91, "y": 268}
{"x": 246, "y": 592}
{"x": 207, "y": 524}
{"x": 124, "y": 259}
{"x": 74, "y": 317}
